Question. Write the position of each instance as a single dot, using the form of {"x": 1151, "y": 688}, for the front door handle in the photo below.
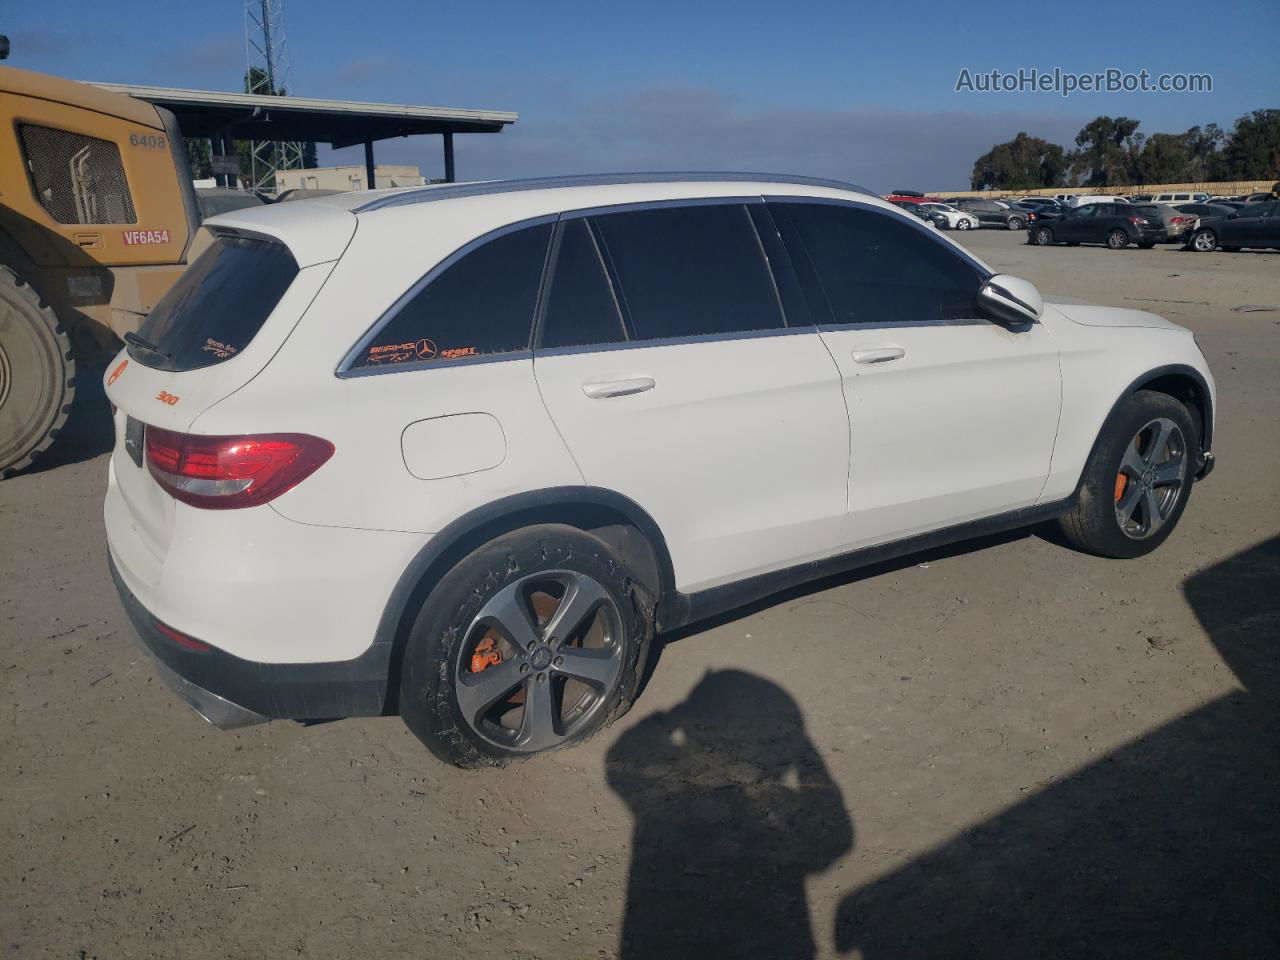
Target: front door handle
{"x": 603, "y": 389}
{"x": 878, "y": 355}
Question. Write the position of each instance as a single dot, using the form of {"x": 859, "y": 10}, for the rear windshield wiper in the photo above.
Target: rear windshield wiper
{"x": 142, "y": 342}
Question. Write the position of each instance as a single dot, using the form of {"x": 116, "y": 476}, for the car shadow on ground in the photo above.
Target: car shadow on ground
{"x": 1167, "y": 847}
{"x": 733, "y": 809}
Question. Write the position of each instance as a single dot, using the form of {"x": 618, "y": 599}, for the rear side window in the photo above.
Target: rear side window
{"x": 77, "y": 179}
{"x": 690, "y": 271}
{"x": 219, "y": 304}
{"x": 581, "y": 308}
{"x": 480, "y": 305}
{"x": 875, "y": 268}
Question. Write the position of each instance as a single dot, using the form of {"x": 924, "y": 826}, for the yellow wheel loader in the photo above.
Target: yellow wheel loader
{"x": 98, "y": 217}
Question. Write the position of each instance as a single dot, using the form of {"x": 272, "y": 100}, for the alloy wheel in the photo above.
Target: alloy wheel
{"x": 1205, "y": 241}
{"x": 1044, "y": 236}
{"x": 1117, "y": 240}
{"x": 1149, "y": 482}
{"x": 539, "y": 661}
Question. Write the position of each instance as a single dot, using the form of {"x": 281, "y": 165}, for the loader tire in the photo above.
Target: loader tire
{"x": 37, "y": 374}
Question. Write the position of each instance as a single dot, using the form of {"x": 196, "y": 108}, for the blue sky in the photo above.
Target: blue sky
{"x": 860, "y": 91}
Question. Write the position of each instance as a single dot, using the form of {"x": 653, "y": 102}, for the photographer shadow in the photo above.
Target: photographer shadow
{"x": 1169, "y": 846}
{"x": 733, "y": 809}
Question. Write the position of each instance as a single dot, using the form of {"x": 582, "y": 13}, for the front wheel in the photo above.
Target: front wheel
{"x": 1044, "y": 237}
{"x": 1016, "y": 223}
{"x": 1117, "y": 239}
{"x": 1204, "y": 241}
{"x": 532, "y": 642}
{"x": 1138, "y": 478}
{"x": 964, "y": 223}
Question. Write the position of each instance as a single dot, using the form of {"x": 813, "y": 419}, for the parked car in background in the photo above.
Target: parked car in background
{"x": 950, "y": 218}
{"x": 1183, "y": 197}
{"x": 1214, "y": 208}
{"x": 995, "y": 213}
{"x": 1082, "y": 199}
{"x": 1176, "y": 223}
{"x": 470, "y": 478}
{"x": 1255, "y": 225}
{"x": 1039, "y": 201}
{"x": 901, "y": 197}
{"x": 916, "y": 209}
{"x": 1141, "y": 198}
{"x": 1064, "y": 198}
{"x": 1259, "y": 197}
{"x": 1115, "y": 224}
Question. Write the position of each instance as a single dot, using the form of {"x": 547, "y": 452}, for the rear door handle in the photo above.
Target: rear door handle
{"x": 878, "y": 355}
{"x": 603, "y": 389}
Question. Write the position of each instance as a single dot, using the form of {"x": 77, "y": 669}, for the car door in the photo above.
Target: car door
{"x": 1250, "y": 228}
{"x": 952, "y": 417}
{"x": 678, "y": 378}
{"x": 1070, "y": 226}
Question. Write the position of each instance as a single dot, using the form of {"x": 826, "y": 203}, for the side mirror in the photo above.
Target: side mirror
{"x": 1011, "y": 300}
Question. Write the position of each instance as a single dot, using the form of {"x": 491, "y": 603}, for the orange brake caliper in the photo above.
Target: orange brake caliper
{"x": 1121, "y": 482}
{"x": 485, "y": 654}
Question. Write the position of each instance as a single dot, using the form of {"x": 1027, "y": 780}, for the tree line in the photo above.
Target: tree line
{"x": 1110, "y": 151}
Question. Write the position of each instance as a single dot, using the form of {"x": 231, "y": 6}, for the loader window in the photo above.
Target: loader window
{"x": 77, "y": 179}
{"x": 218, "y": 306}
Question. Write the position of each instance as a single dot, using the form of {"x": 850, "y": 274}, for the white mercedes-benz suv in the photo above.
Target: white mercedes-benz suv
{"x": 459, "y": 452}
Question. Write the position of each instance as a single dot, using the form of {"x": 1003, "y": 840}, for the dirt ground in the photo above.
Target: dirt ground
{"x": 1002, "y": 749}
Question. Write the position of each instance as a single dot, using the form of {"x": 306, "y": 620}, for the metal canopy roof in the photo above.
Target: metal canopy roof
{"x": 341, "y": 123}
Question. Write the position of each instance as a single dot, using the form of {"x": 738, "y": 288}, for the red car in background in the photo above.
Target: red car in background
{"x": 910, "y": 196}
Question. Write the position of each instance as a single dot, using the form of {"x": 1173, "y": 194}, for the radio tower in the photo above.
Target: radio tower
{"x": 267, "y": 73}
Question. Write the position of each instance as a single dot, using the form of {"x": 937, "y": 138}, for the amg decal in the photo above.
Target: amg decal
{"x": 218, "y": 348}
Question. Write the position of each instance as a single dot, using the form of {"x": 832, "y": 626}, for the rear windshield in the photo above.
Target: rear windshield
{"x": 218, "y": 305}
{"x": 1150, "y": 212}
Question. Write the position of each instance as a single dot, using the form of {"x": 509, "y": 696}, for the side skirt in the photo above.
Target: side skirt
{"x": 686, "y": 608}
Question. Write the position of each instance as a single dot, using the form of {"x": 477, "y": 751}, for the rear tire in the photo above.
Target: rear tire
{"x": 1135, "y": 485}
{"x": 1117, "y": 239}
{"x": 1016, "y": 223}
{"x": 37, "y": 374}
{"x": 1044, "y": 237}
{"x": 476, "y": 610}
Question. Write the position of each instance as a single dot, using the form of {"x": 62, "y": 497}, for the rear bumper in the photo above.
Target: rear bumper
{"x": 231, "y": 692}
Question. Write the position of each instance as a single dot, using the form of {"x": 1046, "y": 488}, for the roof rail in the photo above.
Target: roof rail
{"x": 484, "y": 187}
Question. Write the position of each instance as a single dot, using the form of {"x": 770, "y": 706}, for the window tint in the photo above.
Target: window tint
{"x": 875, "y": 268}
{"x": 480, "y": 305}
{"x": 1254, "y": 210}
{"x": 688, "y": 271}
{"x": 218, "y": 305}
{"x": 581, "y": 308}
{"x": 77, "y": 179}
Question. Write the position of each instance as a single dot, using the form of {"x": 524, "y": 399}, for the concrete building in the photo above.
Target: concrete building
{"x": 349, "y": 177}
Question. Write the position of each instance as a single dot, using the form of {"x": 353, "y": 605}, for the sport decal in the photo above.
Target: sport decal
{"x": 134, "y": 237}
{"x": 218, "y": 348}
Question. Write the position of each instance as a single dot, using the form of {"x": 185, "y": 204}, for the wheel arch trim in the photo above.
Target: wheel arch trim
{"x": 496, "y": 518}
{"x": 1150, "y": 376}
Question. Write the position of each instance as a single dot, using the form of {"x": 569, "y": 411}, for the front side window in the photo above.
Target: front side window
{"x": 480, "y": 305}
{"x": 77, "y": 178}
{"x": 875, "y": 268}
{"x": 689, "y": 271}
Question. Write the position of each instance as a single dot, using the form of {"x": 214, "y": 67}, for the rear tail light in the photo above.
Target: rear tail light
{"x": 1184, "y": 219}
{"x": 1138, "y": 222}
{"x": 224, "y": 473}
